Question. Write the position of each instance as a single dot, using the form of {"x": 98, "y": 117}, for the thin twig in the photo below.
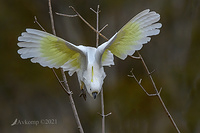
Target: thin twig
{"x": 152, "y": 72}
{"x": 157, "y": 93}
{"x": 38, "y": 23}
{"x": 78, "y": 15}
{"x": 72, "y": 103}
{"x": 104, "y": 115}
{"x": 65, "y": 79}
{"x": 139, "y": 83}
{"x": 134, "y": 57}
{"x": 65, "y": 15}
{"x": 68, "y": 92}
{"x": 51, "y": 17}
{"x": 83, "y": 19}
{"x": 103, "y": 28}
{"x": 97, "y": 44}
{"x": 97, "y": 24}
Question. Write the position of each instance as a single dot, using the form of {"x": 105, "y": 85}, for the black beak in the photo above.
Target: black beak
{"x": 94, "y": 94}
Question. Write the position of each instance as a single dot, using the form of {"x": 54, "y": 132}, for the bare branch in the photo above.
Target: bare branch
{"x": 104, "y": 115}
{"x": 96, "y": 12}
{"x": 72, "y": 104}
{"x": 68, "y": 92}
{"x": 97, "y": 27}
{"x": 97, "y": 24}
{"x": 103, "y": 28}
{"x": 152, "y": 72}
{"x": 146, "y": 68}
{"x": 97, "y": 43}
{"x": 93, "y": 10}
{"x": 134, "y": 57}
{"x": 108, "y": 114}
{"x": 51, "y": 17}
{"x": 66, "y": 15}
{"x": 66, "y": 88}
{"x": 102, "y": 112}
{"x": 160, "y": 90}
{"x": 87, "y": 23}
{"x": 78, "y": 15}
{"x": 139, "y": 83}
{"x": 157, "y": 93}
{"x": 38, "y": 23}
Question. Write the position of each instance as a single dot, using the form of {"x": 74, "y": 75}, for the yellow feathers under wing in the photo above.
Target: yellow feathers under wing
{"x": 133, "y": 35}
{"x": 49, "y": 50}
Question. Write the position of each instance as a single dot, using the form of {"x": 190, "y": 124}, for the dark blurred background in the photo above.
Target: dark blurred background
{"x": 32, "y": 93}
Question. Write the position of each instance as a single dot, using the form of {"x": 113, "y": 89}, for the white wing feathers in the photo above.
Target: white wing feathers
{"x": 49, "y": 50}
{"x": 132, "y": 35}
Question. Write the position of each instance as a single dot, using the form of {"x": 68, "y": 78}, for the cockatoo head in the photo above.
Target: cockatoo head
{"x": 93, "y": 79}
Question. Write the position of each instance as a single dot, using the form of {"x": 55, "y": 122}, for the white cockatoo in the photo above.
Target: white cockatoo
{"x": 88, "y": 62}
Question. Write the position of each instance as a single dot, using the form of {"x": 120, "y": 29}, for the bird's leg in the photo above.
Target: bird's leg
{"x": 83, "y": 91}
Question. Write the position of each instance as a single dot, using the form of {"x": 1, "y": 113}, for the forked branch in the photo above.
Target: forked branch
{"x": 157, "y": 93}
{"x": 60, "y": 82}
{"x": 66, "y": 86}
{"x": 97, "y": 44}
{"x": 78, "y": 15}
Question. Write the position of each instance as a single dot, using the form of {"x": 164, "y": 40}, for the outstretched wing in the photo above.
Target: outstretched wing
{"x": 49, "y": 50}
{"x": 131, "y": 37}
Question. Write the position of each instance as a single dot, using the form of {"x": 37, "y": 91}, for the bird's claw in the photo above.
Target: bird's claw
{"x": 83, "y": 94}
